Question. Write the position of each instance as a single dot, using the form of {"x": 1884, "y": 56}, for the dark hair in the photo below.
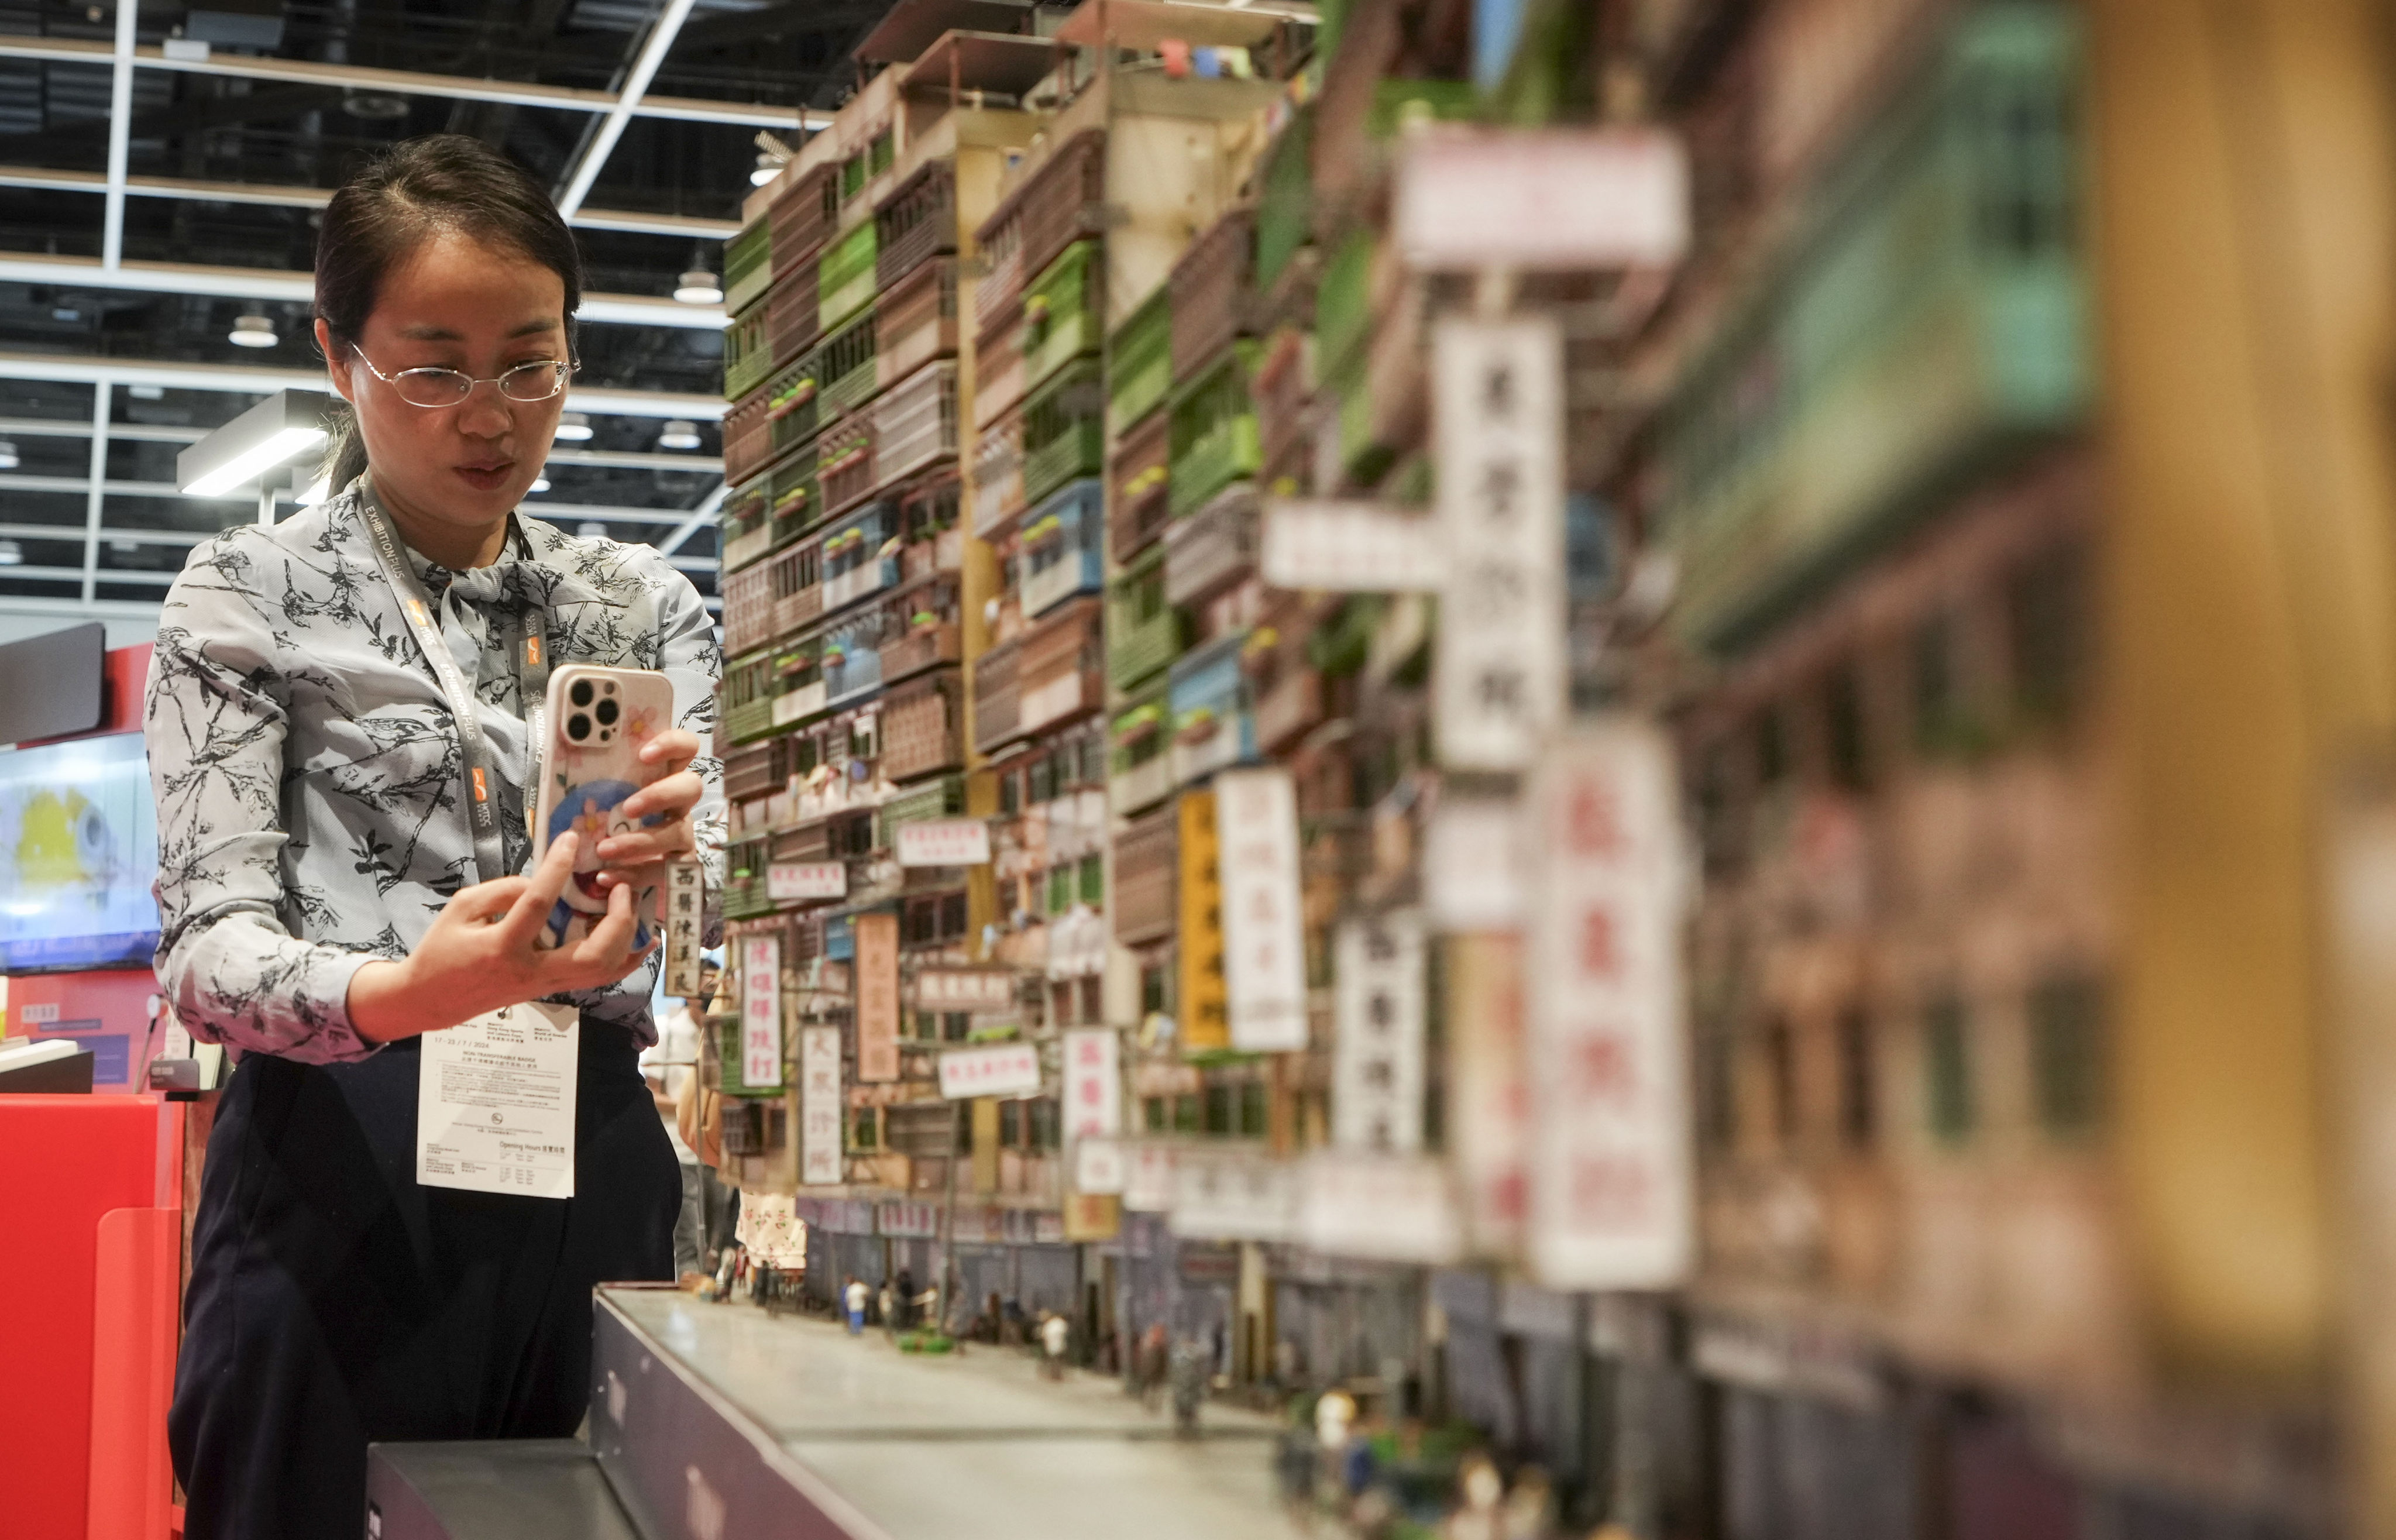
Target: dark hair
{"x": 412, "y": 192}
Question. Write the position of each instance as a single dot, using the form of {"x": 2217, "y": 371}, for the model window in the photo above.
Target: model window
{"x": 1946, "y": 1055}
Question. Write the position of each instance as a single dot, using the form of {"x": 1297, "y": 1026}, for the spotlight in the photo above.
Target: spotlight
{"x": 699, "y": 287}
{"x": 769, "y": 166}
{"x": 252, "y": 331}
{"x": 11, "y": 554}
{"x": 7, "y": 456}
{"x": 573, "y": 427}
{"x": 146, "y": 392}
{"x": 540, "y": 482}
{"x": 679, "y": 434}
{"x": 591, "y": 530}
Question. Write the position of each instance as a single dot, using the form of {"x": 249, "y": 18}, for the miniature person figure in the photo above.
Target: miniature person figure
{"x": 1480, "y": 1488}
{"x": 852, "y": 1300}
{"x": 888, "y": 1304}
{"x": 1055, "y": 1332}
{"x": 906, "y": 1316}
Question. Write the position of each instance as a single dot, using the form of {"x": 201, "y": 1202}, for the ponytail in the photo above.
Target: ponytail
{"x": 345, "y": 450}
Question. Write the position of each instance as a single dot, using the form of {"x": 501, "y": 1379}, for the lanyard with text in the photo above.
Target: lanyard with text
{"x": 527, "y": 647}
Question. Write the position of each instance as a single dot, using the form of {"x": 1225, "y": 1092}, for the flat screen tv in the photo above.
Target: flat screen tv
{"x": 78, "y": 852}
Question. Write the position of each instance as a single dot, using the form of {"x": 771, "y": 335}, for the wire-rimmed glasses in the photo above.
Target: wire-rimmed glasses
{"x": 541, "y": 379}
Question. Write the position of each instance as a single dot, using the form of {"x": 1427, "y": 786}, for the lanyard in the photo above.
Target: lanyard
{"x": 527, "y": 646}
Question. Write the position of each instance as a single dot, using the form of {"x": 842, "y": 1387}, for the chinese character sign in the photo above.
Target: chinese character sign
{"x": 877, "y": 996}
{"x": 1612, "y": 1194}
{"x": 1093, "y": 1083}
{"x": 944, "y": 842}
{"x": 1203, "y": 1023}
{"x": 1489, "y": 1101}
{"x": 684, "y": 918}
{"x": 1007, "y": 1069}
{"x": 761, "y": 1011}
{"x": 1264, "y": 944}
{"x": 948, "y": 990}
{"x": 1376, "y": 1054}
{"x": 820, "y": 1104}
{"x": 1498, "y": 676}
{"x": 787, "y": 881}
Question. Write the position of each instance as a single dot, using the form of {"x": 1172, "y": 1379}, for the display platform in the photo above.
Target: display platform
{"x": 722, "y": 1420}
{"x": 532, "y": 1489}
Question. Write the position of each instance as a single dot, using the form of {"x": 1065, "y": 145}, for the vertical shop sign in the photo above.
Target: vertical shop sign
{"x": 686, "y": 895}
{"x": 1487, "y": 1099}
{"x": 1148, "y": 1178}
{"x": 1264, "y": 944}
{"x": 761, "y": 1011}
{"x": 1376, "y": 1054}
{"x": 1093, "y": 1083}
{"x": 1203, "y": 1025}
{"x": 1612, "y": 1193}
{"x": 820, "y": 1104}
{"x": 1500, "y": 673}
{"x": 877, "y": 996}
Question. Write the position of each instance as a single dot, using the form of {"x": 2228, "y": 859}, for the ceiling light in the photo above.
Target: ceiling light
{"x": 7, "y": 456}
{"x": 679, "y": 434}
{"x": 699, "y": 287}
{"x": 540, "y": 482}
{"x": 252, "y": 331}
{"x": 275, "y": 432}
{"x": 123, "y": 545}
{"x": 573, "y": 427}
{"x": 146, "y": 392}
{"x": 769, "y": 166}
{"x": 11, "y": 554}
{"x": 591, "y": 530}
{"x": 316, "y": 491}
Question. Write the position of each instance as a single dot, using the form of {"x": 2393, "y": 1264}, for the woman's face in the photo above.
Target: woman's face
{"x": 455, "y": 303}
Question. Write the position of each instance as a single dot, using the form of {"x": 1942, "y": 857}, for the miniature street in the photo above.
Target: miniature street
{"x": 974, "y": 1444}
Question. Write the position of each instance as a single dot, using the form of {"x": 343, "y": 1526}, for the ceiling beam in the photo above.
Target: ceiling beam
{"x": 254, "y": 379}
{"x": 153, "y": 433}
{"x": 120, "y": 139}
{"x": 42, "y": 179}
{"x": 708, "y": 508}
{"x": 231, "y": 282}
{"x": 592, "y": 158}
{"x": 98, "y": 495}
{"x": 412, "y": 82}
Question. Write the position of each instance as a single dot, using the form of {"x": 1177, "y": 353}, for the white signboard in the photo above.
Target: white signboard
{"x": 791, "y": 880}
{"x": 820, "y": 1104}
{"x": 1381, "y": 1208}
{"x": 944, "y": 842}
{"x": 964, "y": 990}
{"x": 1148, "y": 1178}
{"x": 1610, "y": 198}
{"x": 1349, "y": 547}
{"x": 761, "y": 1011}
{"x": 1093, "y": 1083}
{"x": 1004, "y": 1069}
{"x": 1264, "y": 947}
{"x": 1612, "y": 1200}
{"x": 1471, "y": 864}
{"x": 1100, "y": 1166}
{"x": 1498, "y": 673}
{"x": 685, "y": 903}
{"x": 1233, "y": 1195}
{"x": 1376, "y": 1054}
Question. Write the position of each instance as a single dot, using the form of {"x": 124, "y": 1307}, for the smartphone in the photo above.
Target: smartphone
{"x": 599, "y": 719}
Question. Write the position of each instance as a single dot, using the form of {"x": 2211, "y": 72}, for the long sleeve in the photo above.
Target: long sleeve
{"x": 216, "y": 717}
{"x": 691, "y": 661}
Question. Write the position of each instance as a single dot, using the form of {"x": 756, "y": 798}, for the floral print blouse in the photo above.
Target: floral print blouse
{"x": 311, "y": 808}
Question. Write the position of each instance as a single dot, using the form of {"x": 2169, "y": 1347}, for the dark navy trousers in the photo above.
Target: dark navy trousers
{"x": 335, "y": 1303}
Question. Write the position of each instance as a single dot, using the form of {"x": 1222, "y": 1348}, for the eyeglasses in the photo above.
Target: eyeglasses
{"x": 539, "y": 380}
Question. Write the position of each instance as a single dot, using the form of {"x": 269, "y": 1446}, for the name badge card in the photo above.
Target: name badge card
{"x": 494, "y": 1103}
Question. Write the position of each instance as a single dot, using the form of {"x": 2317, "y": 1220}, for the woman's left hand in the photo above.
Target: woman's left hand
{"x": 633, "y": 858}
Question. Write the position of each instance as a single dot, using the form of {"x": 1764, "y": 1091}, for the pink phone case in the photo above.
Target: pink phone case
{"x": 599, "y": 719}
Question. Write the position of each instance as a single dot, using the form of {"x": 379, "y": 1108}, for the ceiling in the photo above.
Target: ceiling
{"x": 125, "y": 257}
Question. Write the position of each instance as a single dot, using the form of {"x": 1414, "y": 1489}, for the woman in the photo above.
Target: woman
{"x": 327, "y": 895}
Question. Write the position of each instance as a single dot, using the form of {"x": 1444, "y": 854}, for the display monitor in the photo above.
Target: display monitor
{"x": 78, "y": 853}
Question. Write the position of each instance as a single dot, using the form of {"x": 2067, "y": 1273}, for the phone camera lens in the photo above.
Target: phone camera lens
{"x": 606, "y": 713}
{"x": 582, "y": 692}
{"x": 578, "y": 727}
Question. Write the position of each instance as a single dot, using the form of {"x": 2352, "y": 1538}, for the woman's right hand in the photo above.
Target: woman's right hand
{"x": 480, "y": 955}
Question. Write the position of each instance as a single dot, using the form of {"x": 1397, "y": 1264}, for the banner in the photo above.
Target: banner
{"x": 820, "y": 1104}
{"x": 1613, "y": 1201}
{"x": 761, "y": 1011}
{"x": 877, "y": 996}
{"x": 1377, "y": 1049}
{"x": 1264, "y": 941}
